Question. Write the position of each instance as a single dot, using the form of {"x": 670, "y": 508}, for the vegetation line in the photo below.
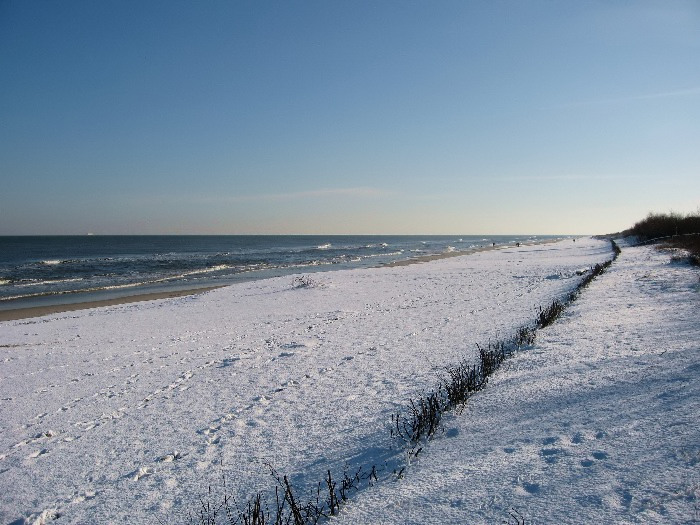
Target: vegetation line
{"x": 670, "y": 231}
{"x": 422, "y": 418}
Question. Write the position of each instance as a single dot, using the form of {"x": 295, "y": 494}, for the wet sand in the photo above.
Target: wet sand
{"x": 38, "y": 311}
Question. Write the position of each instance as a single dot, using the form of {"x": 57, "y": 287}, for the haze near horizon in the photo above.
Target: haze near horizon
{"x": 346, "y": 118}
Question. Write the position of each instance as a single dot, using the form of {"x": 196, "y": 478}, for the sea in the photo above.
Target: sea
{"x": 49, "y": 270}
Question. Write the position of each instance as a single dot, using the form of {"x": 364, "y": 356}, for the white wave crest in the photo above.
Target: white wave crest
{"x": 400, "y": 252}
{"x": 47, "y": 282}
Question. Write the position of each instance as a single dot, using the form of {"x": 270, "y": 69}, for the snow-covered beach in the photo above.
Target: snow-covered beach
{"x": 129, "y": 413}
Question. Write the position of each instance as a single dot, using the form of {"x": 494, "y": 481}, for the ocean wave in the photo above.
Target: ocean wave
{"x": 183, "y": 275}
{"x": 41, "y": 282}
{"x": 69, "y": 292}
{"x": 109, "y": 287}
{"x": 82, "y": 260}
{"x": 324, "y": 246}
{"x": 25, "y": 283}
{"x": 388, "y": 254}
{"x": 101, "y": 288}
{"x": 216, "y": 268}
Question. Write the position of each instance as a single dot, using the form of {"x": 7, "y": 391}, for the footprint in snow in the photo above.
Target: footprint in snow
{"x": 38, "y": 453}
{"x": 210, "y": 430}
{"x": 84, "y": 496}
{"x": 263, "y": 400}
{"x": 453, "y": 432}
{"x": 174, "y": 456}
{"x": 598, "y": 455}
{"x": 86, "y": 425}
{"x": 141, "y": 473}
{"x": 229, "y": 361}
{"x": 550, "y": 455}
{"x": 42, "y": 518}
{"x": 530, "y": 488}
{"x": 625, "y": 497}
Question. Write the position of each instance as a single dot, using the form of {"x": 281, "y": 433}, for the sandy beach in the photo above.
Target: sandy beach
{"x": 132, "y": 413}
{"x": 305, "y": 378}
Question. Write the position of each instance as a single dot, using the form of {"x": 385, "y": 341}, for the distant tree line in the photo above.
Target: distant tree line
{"x": 655, "y": 226}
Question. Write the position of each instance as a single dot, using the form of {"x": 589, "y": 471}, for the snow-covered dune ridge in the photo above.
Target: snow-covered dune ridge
{"x": 595, "y": 423}
{"x": 467, "y": 377}
{"x": 128, "y": 413}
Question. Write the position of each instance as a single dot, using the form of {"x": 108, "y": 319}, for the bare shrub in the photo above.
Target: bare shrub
{"x": 546, "y": 316}
{"x": 689, "y": 244}
{"x": 304, "y": 281}
{"x": 524, "y": 336}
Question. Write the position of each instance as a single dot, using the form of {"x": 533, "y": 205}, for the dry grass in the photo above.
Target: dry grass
{"x": 687, "y": 243}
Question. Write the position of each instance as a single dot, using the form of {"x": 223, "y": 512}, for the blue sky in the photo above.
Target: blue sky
{"x": 502, "y": 117}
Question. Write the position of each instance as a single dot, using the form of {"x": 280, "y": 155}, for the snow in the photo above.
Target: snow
{"x": 129, "y": 414}
{"x": 597, "y": 423}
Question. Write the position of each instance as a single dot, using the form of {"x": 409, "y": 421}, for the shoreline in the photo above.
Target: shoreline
{"x": 28, "y": 312}
{"x": 39, "y": 311}
{"x": 437, "y": 256}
